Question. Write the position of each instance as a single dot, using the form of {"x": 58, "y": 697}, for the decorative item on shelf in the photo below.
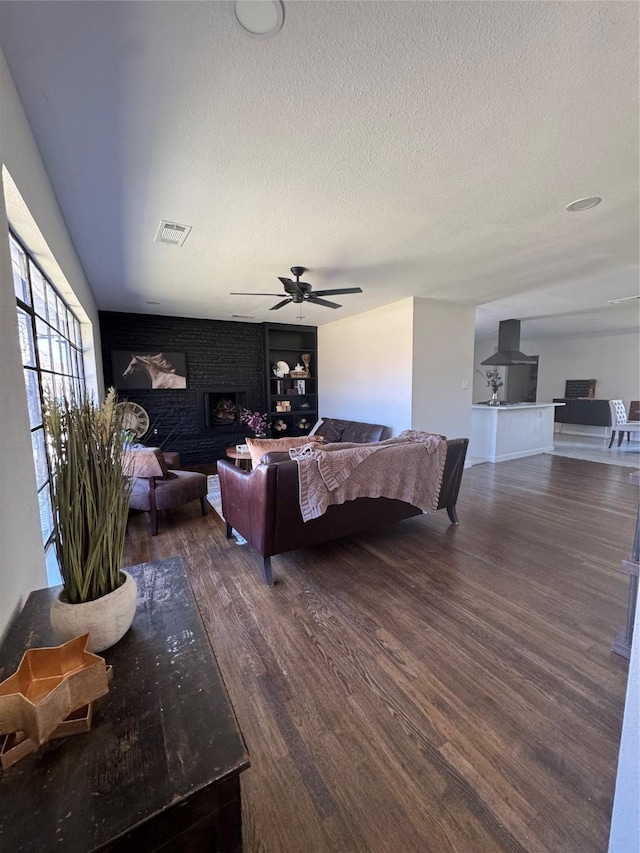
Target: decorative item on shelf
{"x": 292, "y": 392}
{"x": 256, "y": 421}
{"x": 280, "y": 386}
{"x": 494, "y": 381}
{"x": 297, "y": 372}
{"x": 305, "y": 405}
{"x": 280, "y": 369}
{"x": 306, "y": 360}
{"x": 280, "y": 426}
{"x": 90, "y": 497}
{"x": 49, "y": 696}
{"x": 303, "y": 423}
{"x": 301, "y": 385}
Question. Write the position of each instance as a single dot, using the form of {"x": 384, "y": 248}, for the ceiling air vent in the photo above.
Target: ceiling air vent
{"x": 171, "y": 233}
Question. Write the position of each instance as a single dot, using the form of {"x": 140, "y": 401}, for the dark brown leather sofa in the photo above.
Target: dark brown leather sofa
{"x": 262, "y": 505}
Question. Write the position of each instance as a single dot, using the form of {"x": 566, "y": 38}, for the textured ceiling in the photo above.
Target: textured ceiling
{"x": 423, "y": 148}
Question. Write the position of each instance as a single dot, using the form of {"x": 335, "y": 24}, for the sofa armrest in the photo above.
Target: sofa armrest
{"x": 249, "y": 503}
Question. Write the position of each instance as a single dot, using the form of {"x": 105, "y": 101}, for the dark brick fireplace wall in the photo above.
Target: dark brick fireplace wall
{"x": 219, "y": 355}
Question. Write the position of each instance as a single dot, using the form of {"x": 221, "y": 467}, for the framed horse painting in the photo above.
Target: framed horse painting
{"x": 145, "y": 369}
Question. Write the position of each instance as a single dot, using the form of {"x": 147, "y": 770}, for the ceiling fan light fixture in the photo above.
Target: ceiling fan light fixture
{"x": 583, "y": 204}
{"x": 258, "y": 19}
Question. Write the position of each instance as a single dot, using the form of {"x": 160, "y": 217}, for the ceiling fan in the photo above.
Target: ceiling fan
{"x": 300, "y": 291}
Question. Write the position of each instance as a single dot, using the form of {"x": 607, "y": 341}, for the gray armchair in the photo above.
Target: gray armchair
{"x": 156, "y": 487}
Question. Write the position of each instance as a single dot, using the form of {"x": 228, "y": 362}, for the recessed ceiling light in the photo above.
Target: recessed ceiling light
{"x": 583, "y": 204}
{"x": 151, "y": 302}
{"x": 259, "y": 19}
{"x": 243, "y": 317}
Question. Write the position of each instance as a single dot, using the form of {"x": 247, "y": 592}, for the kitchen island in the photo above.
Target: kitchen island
{"x": 500, "y": 433}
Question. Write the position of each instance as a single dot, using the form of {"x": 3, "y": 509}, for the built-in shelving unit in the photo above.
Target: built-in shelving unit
{"x": 288, "y": 344}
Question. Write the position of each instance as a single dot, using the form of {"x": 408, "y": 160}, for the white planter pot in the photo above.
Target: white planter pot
{"x": 106, "y": 619}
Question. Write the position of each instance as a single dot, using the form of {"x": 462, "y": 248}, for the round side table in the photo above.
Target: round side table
{"x": 242, "y": 460}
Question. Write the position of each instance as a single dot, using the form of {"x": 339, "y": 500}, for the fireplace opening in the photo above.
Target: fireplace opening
{"x": 224, "y": 407}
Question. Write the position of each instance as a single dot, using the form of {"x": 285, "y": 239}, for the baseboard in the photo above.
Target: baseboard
{"x": 507, "y": 457}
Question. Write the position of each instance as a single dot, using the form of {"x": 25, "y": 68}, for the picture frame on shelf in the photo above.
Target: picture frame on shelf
{"x": 301, "y": 386}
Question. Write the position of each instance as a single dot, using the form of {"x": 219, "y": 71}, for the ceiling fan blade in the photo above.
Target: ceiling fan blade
{"x": 338, "y": 290}
{"x": 290, "y": 286}
{"x": 280, "y": 304}
{"x": 237, "y": 293}
{"x": 313, "y": 298}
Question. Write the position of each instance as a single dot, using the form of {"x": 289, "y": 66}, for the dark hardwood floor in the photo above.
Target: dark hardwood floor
{"x": 428, "y": 688}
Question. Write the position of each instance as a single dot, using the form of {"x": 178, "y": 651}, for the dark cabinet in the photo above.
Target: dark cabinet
{"x": 587, "y": 412}
{"x": 292, "y": 401}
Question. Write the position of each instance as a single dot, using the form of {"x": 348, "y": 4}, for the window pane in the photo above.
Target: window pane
{"x": 40, "y": 457}
{"x": 33, "y": 398}
{"x": 25, "y": 332}
{"x": 19, "y": 267}
{"x": 44, "y": 351}
{"x": 64, "y": 356}
{"x": 73, "y": 361}
{"x": 56, "y": 362}
{"x": 67, "y": 323}
{"x": 48, "y": 387}
{"x": 52, "y": 304}
{"x": 37, "y": 288}
{"x": 62, "y": 316}
{"x": 46, "y": 513}
{"x": 53, "y": 571}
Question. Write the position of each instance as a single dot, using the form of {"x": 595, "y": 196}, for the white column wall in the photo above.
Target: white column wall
{"x": 443, "y": 338}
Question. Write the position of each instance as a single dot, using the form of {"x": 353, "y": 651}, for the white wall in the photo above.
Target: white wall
{"x": 33, "y": 212}
{"x": 21, "y": 555}
{"x": 443, "y": 337}
{"x": 612, "y": 360}
{"x": 28, "y": 203}
{"x": 401, "y": 365}
{"x": 364, "y": 366}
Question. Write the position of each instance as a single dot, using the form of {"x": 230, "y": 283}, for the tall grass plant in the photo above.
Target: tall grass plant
{"x": 90, "y": 493}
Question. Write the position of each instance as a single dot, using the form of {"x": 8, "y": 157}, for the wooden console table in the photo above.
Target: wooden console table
{"x": 160, "y": 768}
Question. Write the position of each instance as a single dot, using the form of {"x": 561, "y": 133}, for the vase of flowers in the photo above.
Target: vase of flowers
{"x": 256, "y": 421}
{"x": 494, "y": 381}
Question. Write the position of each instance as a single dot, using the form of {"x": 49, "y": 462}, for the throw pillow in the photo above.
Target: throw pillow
{"x": 146, "y": 462}
{"x": 259, "y": 446}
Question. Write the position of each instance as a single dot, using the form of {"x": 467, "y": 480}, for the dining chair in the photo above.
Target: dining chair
{"x": 619, "y": 422}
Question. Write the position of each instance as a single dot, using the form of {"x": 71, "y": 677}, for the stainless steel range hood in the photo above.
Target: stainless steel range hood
{"x": 509, "y": 346}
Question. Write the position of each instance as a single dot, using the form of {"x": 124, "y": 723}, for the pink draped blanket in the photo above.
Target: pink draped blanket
{"x": 407, "y": 468}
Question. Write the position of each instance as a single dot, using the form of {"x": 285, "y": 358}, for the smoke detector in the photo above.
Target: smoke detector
{"x": 171, "y": 233}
